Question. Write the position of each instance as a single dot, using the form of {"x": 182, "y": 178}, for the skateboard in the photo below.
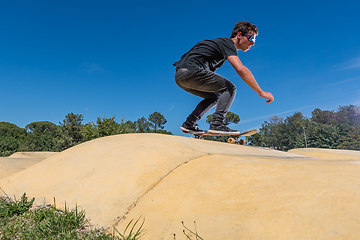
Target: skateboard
{"x": 233, "y": 138}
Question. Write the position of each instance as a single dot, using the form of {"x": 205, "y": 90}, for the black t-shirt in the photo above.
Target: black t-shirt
{"x": 208, "y": 54}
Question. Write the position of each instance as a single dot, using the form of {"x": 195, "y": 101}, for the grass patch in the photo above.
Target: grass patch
{"x": 20, "y": 220}
{"x": 191, "y": 233}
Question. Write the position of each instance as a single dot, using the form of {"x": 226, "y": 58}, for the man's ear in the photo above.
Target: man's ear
{"x": 239, "y": 34}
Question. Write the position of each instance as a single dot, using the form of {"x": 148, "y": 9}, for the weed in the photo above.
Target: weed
{"x": 132, "y": 235}
{"x": 190, "y": 232}
{"x": 9, "y": 208}
{"x": 19, "y": 221}
{"x": 58, "y": 222}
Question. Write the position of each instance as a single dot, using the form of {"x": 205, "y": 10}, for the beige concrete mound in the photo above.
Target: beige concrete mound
{"x": 332, "y": 154}
{"x": 231, "y": 191}
{"x": 20, "y": 161}
{"x": 32, "y": 154}
{"x": 9, "y": 166}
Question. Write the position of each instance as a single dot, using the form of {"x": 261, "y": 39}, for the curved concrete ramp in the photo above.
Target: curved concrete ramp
{"x": 32, "y": 154}
{"x": 332, "y": 154}
{"x": 20, "y": 161}
{"x": 231, "y": 191}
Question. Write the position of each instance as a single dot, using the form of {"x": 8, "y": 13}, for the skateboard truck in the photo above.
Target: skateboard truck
{"x": 236, "y": 140}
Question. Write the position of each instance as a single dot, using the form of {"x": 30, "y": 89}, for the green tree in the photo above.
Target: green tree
{"x": 294, "y": 131}
{"x": 41, "y": 136}
{"x": 10, "y": 138}
{"x": 8, "y": 146}
{"x": 229, "y": 118}
{"x": 157, "y": 121}
{"x": 108, "y": 126}
{"x": 105, "y": 127}
{"x": 72, "y": 127}
{"x": 40, "y": 126}
{"x": 323, "y": 135}
{"x": 130, "y": 126}
{"x": 281, "y": 134}
{"x": 11, "y": 130}
{"x": 90, "y": 131}
{"x": 273, "y": 133}
{"x": 142, "y": 125}
{"x": 351, "y": 140}
{"x": 278, "y": 133}
{"x": 127, "y": 127}
{"x": 325, "y": 129}
{"x": 346, "y": 120}
{"x": 255, "y": 140}
{"x": 323, "y": 117}
{"x": 348, "y": 115}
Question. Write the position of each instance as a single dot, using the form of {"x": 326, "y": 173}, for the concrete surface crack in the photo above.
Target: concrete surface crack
{"x": 152, "y": 187}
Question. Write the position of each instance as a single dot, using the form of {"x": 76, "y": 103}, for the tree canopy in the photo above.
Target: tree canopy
{"x": 325, "y": 129}
{"x": 338, "y": 129}
{"x": 47, "y": 136}
{"x": 157, "y": 121}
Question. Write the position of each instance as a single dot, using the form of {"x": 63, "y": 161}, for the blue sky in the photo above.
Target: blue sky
{"x": 106, "y": 58}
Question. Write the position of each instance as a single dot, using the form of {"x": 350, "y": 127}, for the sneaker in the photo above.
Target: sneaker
{"x": 190, "y": 128}
{"x": 222, "y": 129}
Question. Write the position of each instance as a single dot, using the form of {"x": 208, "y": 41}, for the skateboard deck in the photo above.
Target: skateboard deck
{"x": 233, "y": 138}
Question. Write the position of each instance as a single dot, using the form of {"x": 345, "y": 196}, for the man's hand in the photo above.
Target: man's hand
{"x": 248, "y": 78}
{"x": 267, "y": 95}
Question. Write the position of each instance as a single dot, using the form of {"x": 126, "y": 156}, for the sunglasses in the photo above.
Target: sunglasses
{"x": 251, "y": 39}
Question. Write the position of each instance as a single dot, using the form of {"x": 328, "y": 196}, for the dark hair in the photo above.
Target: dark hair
{"x": 243, "y": 27}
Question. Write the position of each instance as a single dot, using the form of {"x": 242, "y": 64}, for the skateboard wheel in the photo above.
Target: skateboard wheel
{"x": 231, "y": 140}
{"x": 242, "y": 141}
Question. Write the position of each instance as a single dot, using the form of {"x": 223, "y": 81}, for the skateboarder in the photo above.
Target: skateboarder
{"x": 195, "y": 73}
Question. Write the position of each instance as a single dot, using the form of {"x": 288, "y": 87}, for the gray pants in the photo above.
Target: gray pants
{"x": 215, "y": 89}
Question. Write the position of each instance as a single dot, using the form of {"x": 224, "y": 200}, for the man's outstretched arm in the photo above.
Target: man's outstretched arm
{"x": 248, "y": 78}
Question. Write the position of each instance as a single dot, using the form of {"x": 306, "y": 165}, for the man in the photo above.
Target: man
{"x": 195, "y": 73}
